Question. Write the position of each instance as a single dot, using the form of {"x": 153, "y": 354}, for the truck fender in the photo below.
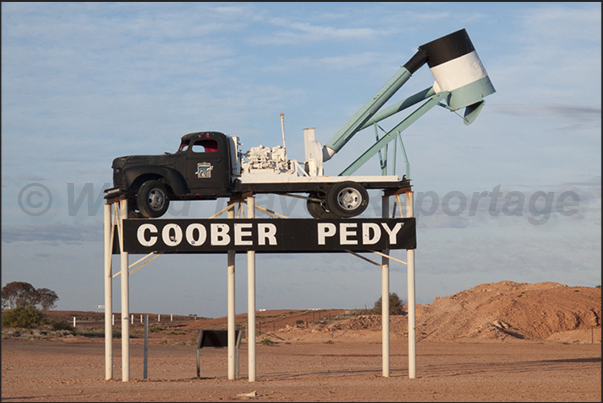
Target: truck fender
{"x": 173, "y": 178}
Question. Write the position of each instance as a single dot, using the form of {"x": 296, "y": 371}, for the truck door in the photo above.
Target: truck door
{"x": 207, "y": 164}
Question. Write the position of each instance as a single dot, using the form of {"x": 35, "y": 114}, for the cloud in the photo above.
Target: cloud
{"x": 574, "y": 113}
{"x": 26, "y": 178}
{"x": 356, "y": 61}
{"x": 57, "y": 233}
{"x": 290, "y": 32}
{"x": 591, "y": 181}
{"x": 558, "y": 23}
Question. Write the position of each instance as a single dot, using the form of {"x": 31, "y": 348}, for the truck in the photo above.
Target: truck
{"x": 209, "y": 164}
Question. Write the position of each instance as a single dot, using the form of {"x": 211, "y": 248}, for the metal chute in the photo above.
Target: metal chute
{"x": 461, "y": 81}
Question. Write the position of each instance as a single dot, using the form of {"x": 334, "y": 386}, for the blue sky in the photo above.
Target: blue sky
{"x": 83, "y": 83}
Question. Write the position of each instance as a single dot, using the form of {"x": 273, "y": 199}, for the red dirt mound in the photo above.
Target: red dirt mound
{"x": 503, "y": 310}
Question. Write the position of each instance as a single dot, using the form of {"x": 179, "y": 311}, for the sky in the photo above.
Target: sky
{"x": 515, "y": 196}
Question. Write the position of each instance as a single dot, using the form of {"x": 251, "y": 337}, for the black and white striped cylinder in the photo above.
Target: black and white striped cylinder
{"x": 456, "y": 68}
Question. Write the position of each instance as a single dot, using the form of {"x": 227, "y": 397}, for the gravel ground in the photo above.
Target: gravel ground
{"x": 348, "y": 368}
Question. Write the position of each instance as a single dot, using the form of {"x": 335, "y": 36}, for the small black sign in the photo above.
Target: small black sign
{"x": 216, "y": 338}
{"x": 267, "y": 235}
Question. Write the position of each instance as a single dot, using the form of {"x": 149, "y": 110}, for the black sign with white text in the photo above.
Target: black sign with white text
{"x": 267, "y": 235}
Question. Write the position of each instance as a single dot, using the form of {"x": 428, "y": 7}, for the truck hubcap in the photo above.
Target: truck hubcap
{"x": 156, "y": 199}
{"x": 349, "y": 198}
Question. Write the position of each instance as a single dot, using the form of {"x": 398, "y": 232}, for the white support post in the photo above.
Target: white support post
{"x": 410, "y": 253}
{"x": 251, "y": 297}
{"x": 385, "y": 296}
{"x": 231, "y": 307}
{"x": 125, "y": 298}
{"x": 108, "y": 225}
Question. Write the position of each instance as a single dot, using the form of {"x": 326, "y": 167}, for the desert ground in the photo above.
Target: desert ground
{"x": 502, "y": 341}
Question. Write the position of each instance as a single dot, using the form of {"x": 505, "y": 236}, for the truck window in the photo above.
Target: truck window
{"x": 205, "y": 146}
{"x": 183, "y": 146}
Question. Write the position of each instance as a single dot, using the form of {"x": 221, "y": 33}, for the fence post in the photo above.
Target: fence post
{"x": 146, "y": 345}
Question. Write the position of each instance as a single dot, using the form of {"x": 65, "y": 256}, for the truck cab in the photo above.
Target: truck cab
{"x": 208, "y": 163}
{"x": 203, "y": 168}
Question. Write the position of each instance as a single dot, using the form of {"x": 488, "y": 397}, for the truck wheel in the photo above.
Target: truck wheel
{"x": 347, "y": 199}
{"x": 152, "y": 200}
{"x": 318, "y": 209}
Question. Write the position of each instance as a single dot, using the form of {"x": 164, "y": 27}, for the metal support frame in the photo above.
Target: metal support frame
{"x": 125, "y": 297}
{"x": 232, "y": 373}
{"x": 251, "y": 298}
{"x": 116, "y": 212}
{"x": 108, "y": 226}
{"x": 385, "y": 296}
{"x": 384, "y": 265}
{"x": 383, "y": 159}
{"x": 410, "y": 271}
{"x": 231, "y": 304}
{"x": 391, "y": 135}
{"x": 412, "y": 337}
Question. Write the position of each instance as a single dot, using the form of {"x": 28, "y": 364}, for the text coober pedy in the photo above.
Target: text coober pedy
{"x": 267, "y": 235}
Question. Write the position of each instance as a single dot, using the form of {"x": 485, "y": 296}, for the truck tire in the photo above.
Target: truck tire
{"x": 152, "y": 199}
{"x": 318, "y": 210}
{"x": 347, "y": 199}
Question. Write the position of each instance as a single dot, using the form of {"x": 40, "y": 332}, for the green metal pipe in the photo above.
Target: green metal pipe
{"x": 406, "y": 161}
{"x": 382, "y": 162}
{"x": 351, "y": 127}
{"x": 400, "y": 106}
{"x": 391, "y": 135}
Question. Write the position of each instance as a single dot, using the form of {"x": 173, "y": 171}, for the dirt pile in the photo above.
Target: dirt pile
{"x": 500, "y": 311}
{"x": 496, "y": 311}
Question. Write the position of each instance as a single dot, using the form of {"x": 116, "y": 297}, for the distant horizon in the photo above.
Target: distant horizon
{"x": 192, "y": 315}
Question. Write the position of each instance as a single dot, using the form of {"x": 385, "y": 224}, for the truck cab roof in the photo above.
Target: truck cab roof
{"x": 210, "y": 141}
{"x": 198, "y": 135}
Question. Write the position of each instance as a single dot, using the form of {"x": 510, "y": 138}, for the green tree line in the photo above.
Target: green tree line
{"x": 19, "y": 294}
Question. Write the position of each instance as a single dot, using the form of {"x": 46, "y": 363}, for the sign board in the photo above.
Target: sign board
{"x": 267, "y": 235}
{"x": 216, "y": 338}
